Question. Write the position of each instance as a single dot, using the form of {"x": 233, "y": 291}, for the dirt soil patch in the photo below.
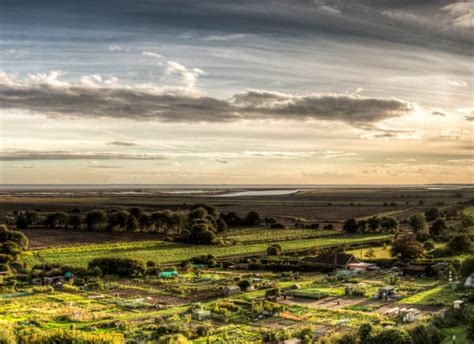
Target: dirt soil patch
{"x": 46, "y": 238}
{"x": 330, "y": 302}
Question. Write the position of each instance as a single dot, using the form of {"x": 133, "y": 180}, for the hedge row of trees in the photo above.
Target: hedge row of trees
{"x": 135, "y": 219}
{"x": 371, "y": 225}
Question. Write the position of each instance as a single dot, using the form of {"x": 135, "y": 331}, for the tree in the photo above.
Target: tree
{"x": 75, "y": 221}
{"x": 274, "y": 250}
{"x": 132, "y": 223}
{"x": 373, "y": 223}
{"x": 56, "y": 219}
{"x": 347, "y": 338}
{"x": 418, "y": 224}
{"x": 137, "y": 212}
{"x": 123, "y": 267}
{"x": 419, "y": 335}
{"x": 389, "y": 224}
{"x": 406, "y": 247}
{"x": 33, "y": 217}
{"x": 96, "y": 219}
{"x": 252, "y": 219}
{"x": 350, "y": 226}
{"x": 244, "y": 284}
{"x": 470, "y": 329}
{"x": 467, "y": 267}
{"x": 459, "y": 243}
{"x": 392, "y": 336}
{"x": 437, "y": 227}
{"x": 432, "y": 214}
{"x": 22, "y": 221}
{"x": 361, "y": 226}
{"x": 364, "y": 332}
{"x": 428, "y": 246}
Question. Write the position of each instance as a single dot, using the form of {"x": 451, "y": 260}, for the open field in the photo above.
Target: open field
{"x": 310, "y": 204}
{"x": 245, "y": 294}
{"x": 166, "y": 252}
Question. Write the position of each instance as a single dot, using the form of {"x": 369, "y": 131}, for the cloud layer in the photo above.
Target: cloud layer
{"x": 97, "y": 97}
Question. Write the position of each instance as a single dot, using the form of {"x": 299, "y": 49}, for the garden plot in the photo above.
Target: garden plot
{"x": 334, "y": 302}
{"x": 140, "y": 295}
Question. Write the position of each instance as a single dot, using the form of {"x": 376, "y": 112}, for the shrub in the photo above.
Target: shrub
{"x": 244, "y": 284}
{"x": 459, "y": 243}
{"x": 428, "y": 246}
{"x": 277, "y": 226}
{"x": 274, "y": 250}
{"x": 392, "y": 336}
{"x": 123, "y": 267}
{"x": 364, "y": 332}
{"x": 467, "y": 267}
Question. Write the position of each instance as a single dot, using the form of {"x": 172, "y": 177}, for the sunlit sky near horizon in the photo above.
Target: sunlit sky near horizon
{"x": 237, "y": 92}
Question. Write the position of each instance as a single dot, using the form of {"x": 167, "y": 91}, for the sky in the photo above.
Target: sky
{"x": 236, "y": 92}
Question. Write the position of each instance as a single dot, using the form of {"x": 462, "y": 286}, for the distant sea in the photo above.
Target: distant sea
{"x": 223, "y": 186}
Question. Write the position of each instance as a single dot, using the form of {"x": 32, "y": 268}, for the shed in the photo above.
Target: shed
{"x": 458, "y": 304}
{"x": 338, "y": 260}
{"x": 233, "y": 289}
{"x": 386, "y": 291}
{"x": 167, "y": 274}
{"x": 292, "y": 341}
{"x": 469, "y": 282}
{"x": 362, "y": 267}
{"x": 201, "y": 314}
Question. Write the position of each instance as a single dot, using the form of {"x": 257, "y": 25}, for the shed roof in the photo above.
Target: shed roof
{"x": 338, "y": 259}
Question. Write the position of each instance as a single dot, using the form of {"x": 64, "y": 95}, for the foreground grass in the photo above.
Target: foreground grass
{"x": 439, "y": 295}
{"x": 169, "y": 252}
{"x": 469, "y": 211}
{"x": 459, "y": 331}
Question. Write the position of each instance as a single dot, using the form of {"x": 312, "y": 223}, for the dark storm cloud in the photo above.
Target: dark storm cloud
{"x": 419, "y": 23}
{"x": 47, "y": 95}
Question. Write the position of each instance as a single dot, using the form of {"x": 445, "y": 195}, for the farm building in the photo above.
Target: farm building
{"x": 231, "y": 290}
{"x": 436, "y": 270}
{"x": 362, "y": 267}
{"x": 334, "y": 260}
{"x": 469, "y": 282}
{"x": 168, "y": 274}
{"x": 386, "y": 292}
{"x": 201, "y": 314}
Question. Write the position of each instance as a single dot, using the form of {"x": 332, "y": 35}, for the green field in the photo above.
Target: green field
{"x": 248, "y": 235}
{"x": 442, "y": 294}
{"x": 168, "y": 252}
{"x": 469, "y": 211}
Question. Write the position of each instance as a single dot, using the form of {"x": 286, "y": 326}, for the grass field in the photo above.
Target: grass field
{"x": 469, "y": 211}
{"x": 248, "y": 235}
{"x": 168, "y": 252}
{"x": 458, "y": 331}
{"x": 442, "y": 294}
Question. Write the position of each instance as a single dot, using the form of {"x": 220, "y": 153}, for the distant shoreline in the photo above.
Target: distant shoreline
{"x": 168, "y": 187}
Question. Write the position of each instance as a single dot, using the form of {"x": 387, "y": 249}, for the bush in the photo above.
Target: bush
{"x": 428, "y": 246}
{"x": 122, "y": 267}
{"x": 392, "y": 336}
{"x": 274, "y": 250}
{"x": 277, "y": 226}
{"x": 459, "y": 243}
{"x": 467, "y": 267}
{"x": 244, "y": 284}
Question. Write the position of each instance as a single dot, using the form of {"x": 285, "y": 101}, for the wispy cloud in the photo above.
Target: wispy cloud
{"x": 225, "y": 37}
{"x": 27, "y": 155}
{"x": 122, "y": 143}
